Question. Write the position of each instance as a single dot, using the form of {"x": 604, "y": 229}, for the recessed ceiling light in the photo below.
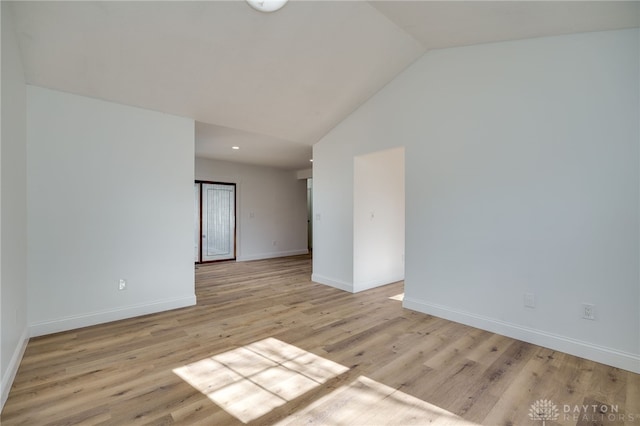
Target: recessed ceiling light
{"x": 311, "y": 160}
{"x": 235, "y": 147}
{"x": 267, "y": 5}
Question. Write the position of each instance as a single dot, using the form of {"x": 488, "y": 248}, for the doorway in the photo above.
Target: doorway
{"x": 215, "y": 217}
{"x": 378, "y": 218}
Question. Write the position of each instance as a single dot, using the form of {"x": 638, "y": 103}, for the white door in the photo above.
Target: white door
{"x": 218, "y": 221}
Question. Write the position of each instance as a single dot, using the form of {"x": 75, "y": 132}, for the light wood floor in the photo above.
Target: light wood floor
{"x": 265, "y": 345}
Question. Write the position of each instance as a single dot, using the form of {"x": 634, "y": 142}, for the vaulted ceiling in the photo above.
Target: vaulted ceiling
{"x": 272, "y": 84}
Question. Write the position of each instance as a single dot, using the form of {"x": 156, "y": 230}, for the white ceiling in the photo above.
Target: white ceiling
{"x": 272, "y": 84}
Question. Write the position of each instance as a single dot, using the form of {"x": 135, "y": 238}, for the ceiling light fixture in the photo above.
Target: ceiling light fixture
{"x": 235, "y": 147}
{"x": 267, "y": 5}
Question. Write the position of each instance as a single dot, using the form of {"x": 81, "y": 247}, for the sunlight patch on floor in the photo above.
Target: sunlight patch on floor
{"x": 252, "y": 380}
{"x": 368, "y": 402}
{"x": 399, "y": 297}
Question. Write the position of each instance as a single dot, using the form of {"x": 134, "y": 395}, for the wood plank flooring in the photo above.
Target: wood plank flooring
{"x": 267, "y": 346}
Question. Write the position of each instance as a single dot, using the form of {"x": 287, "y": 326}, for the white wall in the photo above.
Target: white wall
{"x": 378, "y": 219}
{"x": 110, "y": 196}
{"x": 271, "y": 207}
{"x": 13, "y": 213}
{"x": 333, "y": 211}
{"x": 521, "y": 176}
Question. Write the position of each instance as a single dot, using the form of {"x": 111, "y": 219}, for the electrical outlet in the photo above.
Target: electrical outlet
{"x": 122, "y": 285}
{"x": 588, "y": 311}
{"x": 529, "y": 300}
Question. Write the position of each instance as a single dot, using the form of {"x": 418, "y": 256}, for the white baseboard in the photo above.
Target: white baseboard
{"x": 271, "y": 255}
{"x": 100, "y": 317}
{"x": 12, "y": 368}
{"x": 624, "y": 360}
{"x": 367, "y": 285}
{"x": 332, "y": 283}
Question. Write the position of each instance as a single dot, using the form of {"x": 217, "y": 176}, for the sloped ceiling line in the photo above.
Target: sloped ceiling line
{"x": 275, "y": 83}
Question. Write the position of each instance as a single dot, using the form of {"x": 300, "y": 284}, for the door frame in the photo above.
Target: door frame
{"x": 235, "y": 220}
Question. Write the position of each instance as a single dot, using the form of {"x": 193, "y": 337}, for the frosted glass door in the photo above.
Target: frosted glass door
{"x": 196, "y": 220}
{"x": 218, "y": 221}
